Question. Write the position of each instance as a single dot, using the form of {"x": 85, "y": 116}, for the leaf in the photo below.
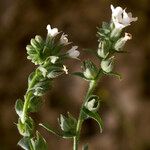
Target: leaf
{"x": 19, "y": 107}
{"x": 79, "y": 74}
{"x": 94, "y": 116}
{"x": 39, "y": 143}
{"x": 63, "y": 134}
{"x": 115, "y": 74}
{"x": 27, "y": 128}
{"x": 85, "y": 147}
{"x": 25, "y": 143}
{"x": 50, "y": 129}
{"x": 35, "y": 104}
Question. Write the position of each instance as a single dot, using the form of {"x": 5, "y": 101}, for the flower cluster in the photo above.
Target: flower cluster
{"x": 49, "y": 58}
{"x": 110, "y": 39}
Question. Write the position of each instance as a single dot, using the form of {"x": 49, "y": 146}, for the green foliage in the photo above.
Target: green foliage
{"x": 95, "y": 116}
{"x": 39, "y": 142}
{"x": 25, "y": 143}
{"x": 19, "y": 107}
{"x": 26, "y": 129}
{"x": 68, "y": 124}
{"x": 90, "y": 70}
{"x": 35, "y": 104}
{"x": 46, "y": 54}
{"x": 36, "y": 143}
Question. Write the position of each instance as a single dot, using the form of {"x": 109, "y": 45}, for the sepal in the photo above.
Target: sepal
{"x": 107, "y": 64}
{"x": 90, "y": 70}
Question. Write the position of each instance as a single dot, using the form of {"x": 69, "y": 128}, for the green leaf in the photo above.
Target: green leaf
{"x": 85, "y": 147}
{"x": 19, "y": 107}
{"x": 41, "y": 87}
{"x": 27, "y": 128}
{"x": 35, "y": 104}
{"x": 94, "y": 116}
{"x": 115, "y": 74}
{"x": 25, "y": 143}
{"x": 62, "y": 134}
{"x": 79, "y": 74}
{"x": 50, "y": 129}
{"x": 39, "y": 143}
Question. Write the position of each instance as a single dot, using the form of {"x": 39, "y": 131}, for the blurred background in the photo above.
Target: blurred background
{"x": 125, "y": 106}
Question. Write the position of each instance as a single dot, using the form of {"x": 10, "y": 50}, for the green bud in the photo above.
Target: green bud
{"x": 103, "y": 49}
{"x": 107, "y": 65}
{"x": 92, "y": 103}
{"x": 68, "y": 124}
{"x": 115, "y": 32}
{"x": 34, "y": 43}
{"x": 121, "y": 42}
{"x": 39, "y": 39}
{"x": 90, "y": 70}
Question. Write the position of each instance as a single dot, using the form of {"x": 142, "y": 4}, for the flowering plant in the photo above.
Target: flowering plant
{"x": 49, "y": 58}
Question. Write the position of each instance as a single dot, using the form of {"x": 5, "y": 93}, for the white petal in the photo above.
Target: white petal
{"x": 73, "y": 52}
{"x": 51, "y": 32}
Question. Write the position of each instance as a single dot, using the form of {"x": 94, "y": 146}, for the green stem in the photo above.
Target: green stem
{"x": 92, "y": 86}
{"x": 27, "y": 98}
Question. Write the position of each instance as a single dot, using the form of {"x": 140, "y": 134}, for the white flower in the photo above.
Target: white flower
{"x": 73, "y": 52}
{"x": 120, "y": 18}
{"x": 65, "y": 69}
{"x": 122, "y": 41}
{"x": 51, "y": 32}
{"x": 54, "y": 59}
{"x": 64, "y": 39}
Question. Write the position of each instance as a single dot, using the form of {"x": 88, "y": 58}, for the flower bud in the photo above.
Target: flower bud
{"x": 64, "y": 39}
{"x": 67, "y": 124}
{"x": 93, "y": 103}
{"x": 121, "y": 42}
{"x": 107, "y": 65}
{"x": 73, "y": 52}
{"x": 39, "y": 39}
{"x": 103, "y": 49}
{"x": 51, "y": 32}
{"x": 90, "y": 70}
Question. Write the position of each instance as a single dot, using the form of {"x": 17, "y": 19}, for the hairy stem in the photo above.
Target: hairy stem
{"x": 27, "y": 98}
{"x": 91, "y": 88}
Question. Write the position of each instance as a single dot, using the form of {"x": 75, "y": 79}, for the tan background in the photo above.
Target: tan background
{"x": 125, "y": 106}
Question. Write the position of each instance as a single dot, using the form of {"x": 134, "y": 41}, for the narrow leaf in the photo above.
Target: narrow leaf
{"x": 19, "y": 107}
{"x": 94, "y": 116}
{"x": 50, "y": 129}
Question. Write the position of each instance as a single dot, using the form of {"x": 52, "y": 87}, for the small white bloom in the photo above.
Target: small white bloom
{"x": 121, "y": 18}
{"x": 73, "y": 52}
{"x": 54, "y": 59}
{"x": 51, "y": 32}
{"x": 64, "y": 39}
{"x": 65, "y": 69}
{"x": 122, "y": 41}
